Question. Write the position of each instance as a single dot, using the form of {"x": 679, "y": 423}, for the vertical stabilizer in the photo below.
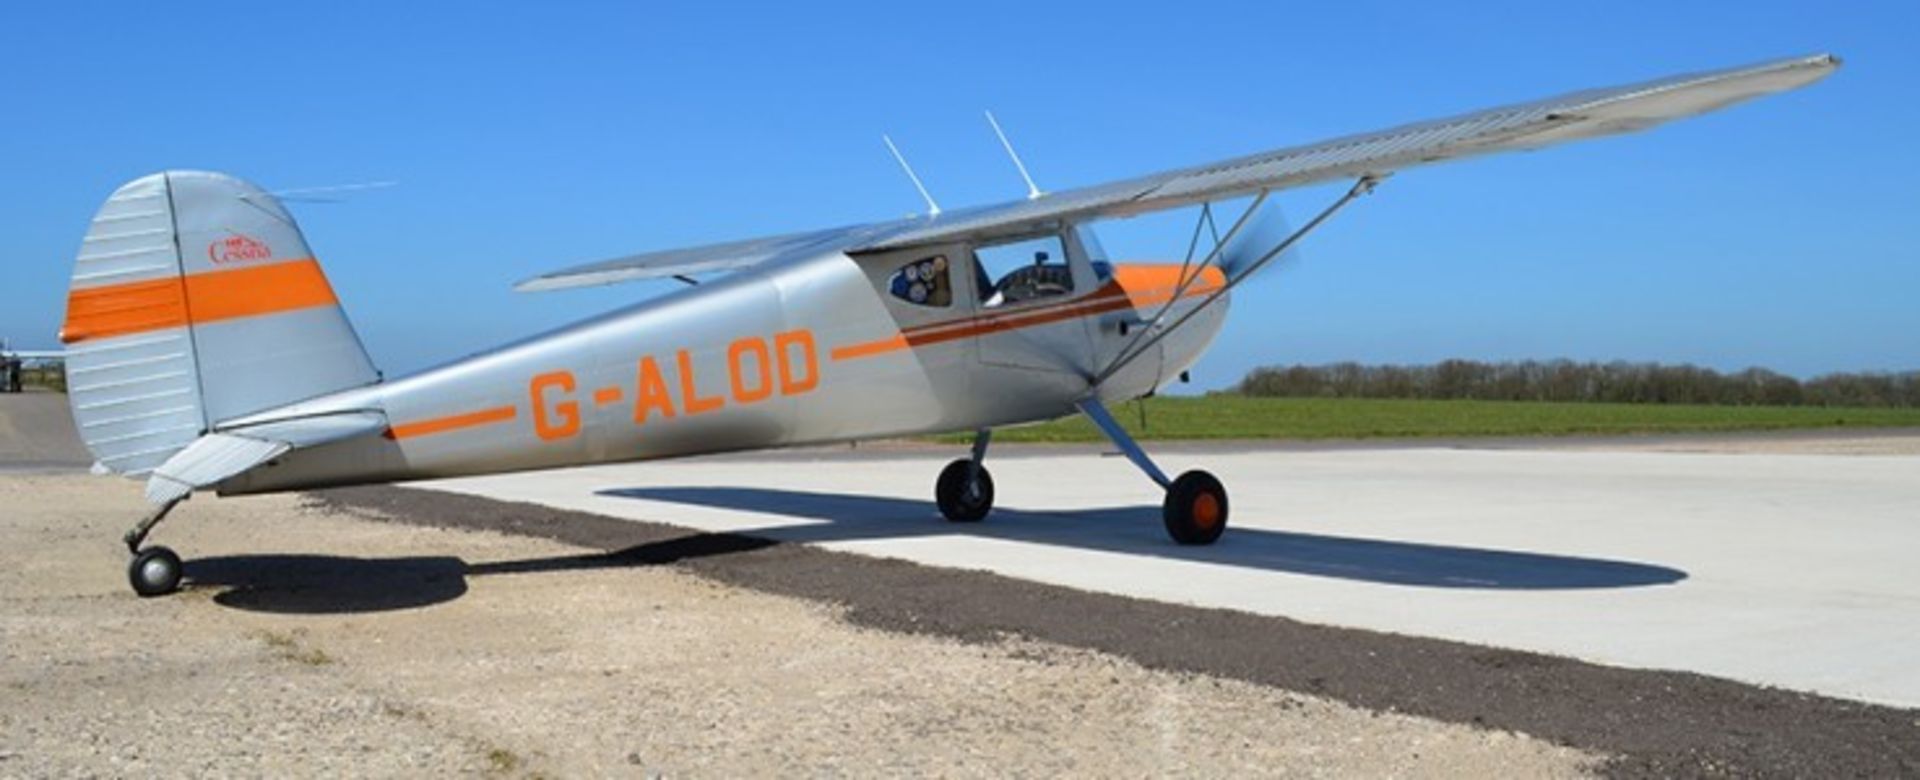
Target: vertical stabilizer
{"x": 195, "y": 300}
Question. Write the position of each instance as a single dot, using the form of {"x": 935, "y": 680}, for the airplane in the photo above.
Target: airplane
{"x": 206, "y": 351}
{"x": 7, "y": 351}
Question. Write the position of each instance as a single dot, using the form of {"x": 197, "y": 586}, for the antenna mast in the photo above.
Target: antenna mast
{"x": 1032, "y": 191}
{"x": 933, "y": 209}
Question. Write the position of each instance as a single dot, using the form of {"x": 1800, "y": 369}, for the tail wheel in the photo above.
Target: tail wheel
{"x": 154, "y": 571}
{"x": 961, "y": 499}
{"x": 1196, "y": 508}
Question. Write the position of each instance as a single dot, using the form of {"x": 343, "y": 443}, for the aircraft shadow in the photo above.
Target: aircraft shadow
{"x": 327, "y": 584}
{"x": 337, "y": 584}
{"x": 1138, "y": 530}
{"x": 334, "y": 584}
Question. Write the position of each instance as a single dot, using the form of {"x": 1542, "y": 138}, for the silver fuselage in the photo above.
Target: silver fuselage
{"x": 802, "y": 352}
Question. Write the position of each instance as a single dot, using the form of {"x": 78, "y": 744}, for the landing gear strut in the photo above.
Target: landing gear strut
{"x": 1196, "y": 505}
{"x": 154, "y": 571}
{"x": 965, "y": 489}
{"x": 1195, "y": 509}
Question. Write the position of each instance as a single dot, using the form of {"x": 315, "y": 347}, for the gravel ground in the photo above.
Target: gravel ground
{"x": 382, "y": 649}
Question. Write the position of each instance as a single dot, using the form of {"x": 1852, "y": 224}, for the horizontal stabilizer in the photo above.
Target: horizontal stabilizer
{"x": 208, "y": 460}
{"x": 229, "y": 453}
{"x": 312, "y": 430}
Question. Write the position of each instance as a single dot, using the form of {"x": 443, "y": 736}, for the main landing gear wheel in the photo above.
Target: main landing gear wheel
{"x": 1196, "y": 508}
{"x": 154, "y": 571}
{"x": 963, "y": 496}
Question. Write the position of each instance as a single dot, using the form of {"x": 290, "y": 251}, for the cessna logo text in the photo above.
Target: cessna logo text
{"x": 238, "y": 248}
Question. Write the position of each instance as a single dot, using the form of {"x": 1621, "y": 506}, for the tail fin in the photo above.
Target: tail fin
{"x": 195, "y": 300}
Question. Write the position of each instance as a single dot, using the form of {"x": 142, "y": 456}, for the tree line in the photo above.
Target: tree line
{"x": 50, "y": 377}
{"x": 1566, "y": 380}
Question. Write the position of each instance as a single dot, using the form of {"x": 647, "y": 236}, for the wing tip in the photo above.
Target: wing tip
{"x": 1825, "y": 62}
{"x": 1829, "y": 62}
{"x": 1807, "y": 70}
{"x": 1814, "y": 67}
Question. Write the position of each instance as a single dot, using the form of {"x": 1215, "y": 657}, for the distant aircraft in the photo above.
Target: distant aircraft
{"x": 7, "y": 351}
{"x": 205, "y": 349}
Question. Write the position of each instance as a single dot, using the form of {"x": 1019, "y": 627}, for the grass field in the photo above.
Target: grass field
{"x": 1239, "y": 417}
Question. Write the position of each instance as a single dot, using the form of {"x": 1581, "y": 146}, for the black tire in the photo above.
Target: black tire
{"x": 154, "y": 571}
{"x": 1196, "y": 508}
{"x": 957, "y": 503}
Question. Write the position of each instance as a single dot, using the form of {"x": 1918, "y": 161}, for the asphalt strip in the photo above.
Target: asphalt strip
{"x": 1658, "y": 723}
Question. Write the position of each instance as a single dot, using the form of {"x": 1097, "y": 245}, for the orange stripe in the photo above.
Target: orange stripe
{"x": 455, "y": 422}
{"x": 897, "y": 341}
{"x": 1107, "y": 291}
{"x": 122, "y": 309}
{"x": 1016, "y": 323}
{"x": 1143, "y": 284}
{"x": 606, "y": 395}
{"x": 251, "y": 292}
{"x": 196, "y": 299}
{"x": 1134, "y": 286}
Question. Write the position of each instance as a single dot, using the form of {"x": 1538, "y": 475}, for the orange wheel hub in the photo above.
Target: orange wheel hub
{"x": 1206, "y": 510}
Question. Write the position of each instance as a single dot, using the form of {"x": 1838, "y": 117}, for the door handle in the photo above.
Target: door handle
{"x": 1126, "y": 324}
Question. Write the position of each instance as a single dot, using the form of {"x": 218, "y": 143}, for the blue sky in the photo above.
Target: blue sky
{"x": 526, "y": 137}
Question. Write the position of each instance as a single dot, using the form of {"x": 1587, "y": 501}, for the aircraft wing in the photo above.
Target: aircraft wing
{"x": 1571, "y": 117}
{"x": 1524, "y": 126}
{"x": 701, "y": 259}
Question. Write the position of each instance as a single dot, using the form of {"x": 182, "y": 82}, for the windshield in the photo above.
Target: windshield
{"x": 1023, "y": 270}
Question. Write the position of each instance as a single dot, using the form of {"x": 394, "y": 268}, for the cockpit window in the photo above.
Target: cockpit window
{"x": 1096, "y": 254}
{"x": 923, "y": 282}
{"x": 1023, "y": 270}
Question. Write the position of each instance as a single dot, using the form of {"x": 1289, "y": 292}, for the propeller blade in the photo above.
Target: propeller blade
{"x": 1262, "y": 232}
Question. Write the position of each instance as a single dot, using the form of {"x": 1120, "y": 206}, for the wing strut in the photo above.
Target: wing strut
{"x": 1154, "y": 331}
{"x": 1189, "y": 273}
